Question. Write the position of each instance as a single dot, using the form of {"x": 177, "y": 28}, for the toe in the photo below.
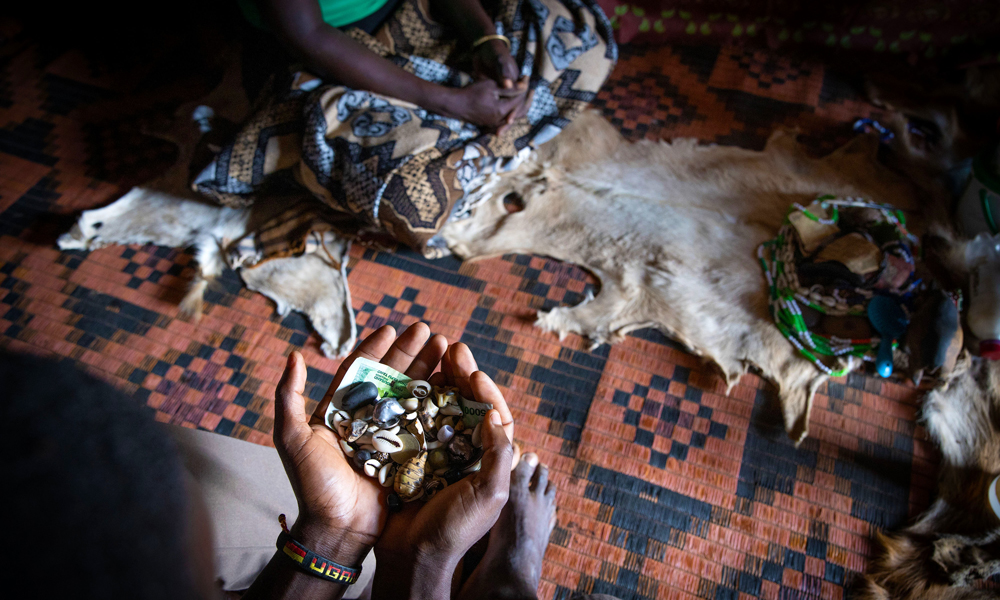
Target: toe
{"x": 541, "y": 479}
{"x": 550, "y": 490}
{"x": 521, "y": 477}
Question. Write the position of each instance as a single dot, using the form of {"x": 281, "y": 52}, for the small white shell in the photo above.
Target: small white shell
{"x": 372, "y": 467}
{"x": 434, "y": 445}
{"x": 393, "y": 429}
{"x": 452, "y": 410}
{"x": 472, "y": 468}
{"x": 387, "y": 442}
{"x": 415, "y": 428}
{"x": 339, "y": 417}
{"x": 477, "y": 436}
{"x": 366, "y": 439}
{"x": 419, "y": 388}
{"x": 440, "y": 399}
{"x": 373, "y": 428}
{"x": 410, "y": 416}
{"x": 347, "y": 448}
{"x": 385, "y": 475}
{"x": 410, "y": 404}
{"x": 430, "y": 407}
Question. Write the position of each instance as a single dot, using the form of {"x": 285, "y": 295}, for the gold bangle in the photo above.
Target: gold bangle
{"x": 489, "y": 38}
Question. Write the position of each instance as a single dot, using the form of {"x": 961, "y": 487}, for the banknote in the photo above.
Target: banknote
{"x": 392, "y": 384}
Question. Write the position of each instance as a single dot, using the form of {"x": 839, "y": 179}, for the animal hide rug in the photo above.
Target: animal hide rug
{"x": 671, "y": 230}
{"x": 955, "y": 544}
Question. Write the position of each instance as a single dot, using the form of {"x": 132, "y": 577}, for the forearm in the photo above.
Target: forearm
{"x": 402, "y": 577}
{"x": 283, "y": 579}
{"x": 467, "y": 16}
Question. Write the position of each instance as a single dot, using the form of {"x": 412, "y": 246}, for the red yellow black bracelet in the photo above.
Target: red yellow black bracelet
{"x": 313, "y": 563}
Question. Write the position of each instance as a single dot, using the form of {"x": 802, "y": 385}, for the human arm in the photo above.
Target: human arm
{"x": 340, "y": 514}
{"x": 333, "y": 55}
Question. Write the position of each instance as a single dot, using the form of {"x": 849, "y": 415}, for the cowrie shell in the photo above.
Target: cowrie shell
{"x": 387, "y": 442}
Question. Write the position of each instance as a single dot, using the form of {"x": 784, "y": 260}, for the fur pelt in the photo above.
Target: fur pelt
{"x": 314, "y": 284}
{"x": 671, "y": 230}
{"x": 166, "y": 212}
{"x": 956, "y": 542}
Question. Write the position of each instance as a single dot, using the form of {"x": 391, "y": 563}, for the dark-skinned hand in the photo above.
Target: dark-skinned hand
{"x": 492, "y": 60}
{"x": 339, "y": 507}
{"x": 433, "y": 536}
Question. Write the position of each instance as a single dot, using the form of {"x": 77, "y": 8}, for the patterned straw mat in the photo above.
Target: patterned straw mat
{"x": 669, "y": 487}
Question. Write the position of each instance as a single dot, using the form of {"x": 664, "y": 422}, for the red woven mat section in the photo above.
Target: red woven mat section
{"x": 669, "y": 486}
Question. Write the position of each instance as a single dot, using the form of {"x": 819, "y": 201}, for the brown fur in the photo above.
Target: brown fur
{"x": 956, "y": 542}
{"x": 671, "y": 231}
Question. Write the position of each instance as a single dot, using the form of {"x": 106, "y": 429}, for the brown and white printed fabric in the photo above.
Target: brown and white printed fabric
{"x": 391, "y": 166}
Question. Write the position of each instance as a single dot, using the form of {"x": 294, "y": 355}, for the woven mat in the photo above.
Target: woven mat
{"x": 669, "y": 488}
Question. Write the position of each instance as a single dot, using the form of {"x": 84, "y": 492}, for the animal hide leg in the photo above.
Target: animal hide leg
{"x": 312, "y": 285}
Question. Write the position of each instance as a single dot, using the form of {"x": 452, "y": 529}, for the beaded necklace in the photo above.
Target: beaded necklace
{"x": 779, "y": 258}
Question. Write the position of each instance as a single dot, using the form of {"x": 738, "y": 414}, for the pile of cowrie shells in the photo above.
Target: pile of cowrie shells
{"x": 417, "y": 445}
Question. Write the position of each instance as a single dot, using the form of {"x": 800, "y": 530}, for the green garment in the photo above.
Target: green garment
{"x": 336, "y": 13}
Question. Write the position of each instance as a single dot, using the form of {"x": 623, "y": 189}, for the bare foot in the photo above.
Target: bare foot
{"x": 512, "y": 565}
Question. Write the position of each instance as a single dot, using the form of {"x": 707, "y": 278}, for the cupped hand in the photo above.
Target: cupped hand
{"x": 339, "y": 508}
{"x": 433, "y": 536}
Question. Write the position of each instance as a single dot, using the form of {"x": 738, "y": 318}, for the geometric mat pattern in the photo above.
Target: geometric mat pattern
{"x": 670, "y": 486}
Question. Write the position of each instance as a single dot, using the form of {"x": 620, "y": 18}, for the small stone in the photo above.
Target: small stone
{"x": 394, "y": 502}
{"x": 460, "y": 426}
{"x": 460, "y": 450}
{"x": 387, "y": 412}
{"x": 364, "y": 413}
{"x": 361, "y": 457}
{"x": 446, "y": 433}
{"x": 437, "y": 459}
{"x": 361, "y": 394}
{"x": 381, "y": 457}
{"x": 386, "y": 442}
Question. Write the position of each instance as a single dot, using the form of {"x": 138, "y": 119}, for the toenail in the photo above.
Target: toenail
{"x": 531, "y": 458}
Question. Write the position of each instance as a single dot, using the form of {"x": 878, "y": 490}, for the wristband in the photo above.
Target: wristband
{"x": 488, "y": 38}
{"x": 313, "y": 563}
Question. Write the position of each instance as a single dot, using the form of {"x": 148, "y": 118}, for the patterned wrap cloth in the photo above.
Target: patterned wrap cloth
{"x": 397, "y": 169}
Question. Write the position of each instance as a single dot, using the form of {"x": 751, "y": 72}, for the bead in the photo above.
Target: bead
{"x": 361, "y": 394}
{"x": 445, "y": 433}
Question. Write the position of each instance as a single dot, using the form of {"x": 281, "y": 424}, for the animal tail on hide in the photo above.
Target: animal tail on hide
{"x": 193, "y": 304}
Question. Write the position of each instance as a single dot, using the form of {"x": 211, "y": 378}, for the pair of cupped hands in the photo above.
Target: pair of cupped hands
{"x": 343, "y": 513}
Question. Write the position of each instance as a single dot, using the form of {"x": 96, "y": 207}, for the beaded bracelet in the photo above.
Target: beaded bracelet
{"x": 313, "y": 563}
{"x": 488, "y": 38}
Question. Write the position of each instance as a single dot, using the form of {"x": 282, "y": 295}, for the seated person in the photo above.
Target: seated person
{"x": 396, "y": 119}
{"x": 89, "y": 472}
